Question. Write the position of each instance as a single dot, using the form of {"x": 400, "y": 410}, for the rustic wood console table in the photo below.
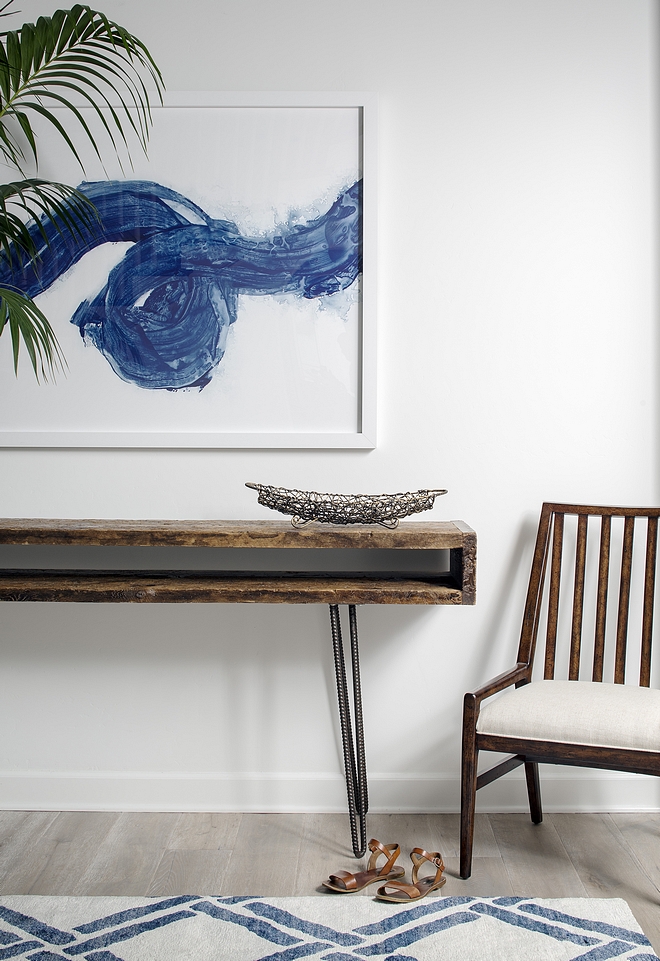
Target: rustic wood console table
{"x": 398, "y": 585}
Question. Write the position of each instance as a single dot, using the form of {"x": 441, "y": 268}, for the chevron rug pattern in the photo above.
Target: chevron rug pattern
{"x": 330, "y": 928}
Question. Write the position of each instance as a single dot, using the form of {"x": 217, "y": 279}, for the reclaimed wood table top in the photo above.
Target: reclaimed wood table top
{"x": 454, "y": 586}
{"x": 418, "y": 535}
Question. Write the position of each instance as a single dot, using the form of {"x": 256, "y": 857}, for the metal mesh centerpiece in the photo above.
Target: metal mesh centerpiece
{"x": 308, "y": 506}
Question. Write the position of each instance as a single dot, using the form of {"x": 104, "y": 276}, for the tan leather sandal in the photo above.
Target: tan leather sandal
{"x": 343, "y": 882}
{"x": 400, "y": 891}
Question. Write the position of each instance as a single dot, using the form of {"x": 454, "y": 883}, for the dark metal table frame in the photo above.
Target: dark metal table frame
{"x": 455, "y": 586}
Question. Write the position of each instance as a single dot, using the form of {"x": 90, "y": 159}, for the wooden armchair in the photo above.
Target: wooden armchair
{"x": 606, "y": 721}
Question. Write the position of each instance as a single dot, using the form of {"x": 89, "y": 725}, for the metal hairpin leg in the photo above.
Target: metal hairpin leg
{"x": 355, "y": 765}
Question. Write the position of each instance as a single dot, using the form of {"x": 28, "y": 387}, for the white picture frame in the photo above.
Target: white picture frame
{"x": 320, "y": 354}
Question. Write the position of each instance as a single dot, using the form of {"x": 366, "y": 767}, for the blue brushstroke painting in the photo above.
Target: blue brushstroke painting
{"x": 161, "y": 320}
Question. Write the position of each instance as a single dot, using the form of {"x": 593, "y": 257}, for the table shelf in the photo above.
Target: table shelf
{"x": 176, "y": 587}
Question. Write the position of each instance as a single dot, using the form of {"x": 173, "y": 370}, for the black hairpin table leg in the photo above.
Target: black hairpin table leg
{"x": 355, "y": 765}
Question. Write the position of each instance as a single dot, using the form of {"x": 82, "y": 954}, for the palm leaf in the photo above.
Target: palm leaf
{"x": 74, "y": 56}
{"x": 29, "y": 325}
{"x": 43, "y": 202}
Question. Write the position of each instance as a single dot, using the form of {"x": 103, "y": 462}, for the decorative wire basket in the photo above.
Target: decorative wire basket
{"x": 308, "y": 506}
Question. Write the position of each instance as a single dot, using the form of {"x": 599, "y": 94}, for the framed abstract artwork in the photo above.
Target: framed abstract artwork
{"x": 226, "y": 298}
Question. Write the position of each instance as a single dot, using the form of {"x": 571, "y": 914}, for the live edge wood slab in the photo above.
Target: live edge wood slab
{"x": 456, "y": 586}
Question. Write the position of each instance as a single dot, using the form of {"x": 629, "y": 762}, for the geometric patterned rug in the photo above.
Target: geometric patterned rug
{"x": 330, "y": 928}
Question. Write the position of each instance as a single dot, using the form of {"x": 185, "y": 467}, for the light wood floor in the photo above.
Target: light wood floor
{"x": 568, "y": 855}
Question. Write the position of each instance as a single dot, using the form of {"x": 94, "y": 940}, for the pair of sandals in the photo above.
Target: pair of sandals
{"x": 343, "y": 882}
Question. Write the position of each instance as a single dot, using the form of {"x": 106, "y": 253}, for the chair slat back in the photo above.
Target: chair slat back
{"x": 649, "y": 595}
{"x": 601, "y": 602}
{"x": 578, "y": 598}
{"x": 553, "y": 603}
{"x": 582, "y": 611}
{"x": 624, "y": 602}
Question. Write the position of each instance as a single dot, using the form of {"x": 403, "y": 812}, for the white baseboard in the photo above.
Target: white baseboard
{"x": 562, "y": 790}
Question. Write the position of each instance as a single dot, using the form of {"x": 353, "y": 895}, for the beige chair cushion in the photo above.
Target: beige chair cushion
{"x": 577, "y": 712}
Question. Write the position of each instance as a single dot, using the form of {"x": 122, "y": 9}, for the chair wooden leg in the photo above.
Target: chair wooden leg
{"x": 468, "y": 784}
{"x": 534, "y": 791}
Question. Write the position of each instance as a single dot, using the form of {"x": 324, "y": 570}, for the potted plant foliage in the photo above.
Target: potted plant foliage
{"x": 74, "y": 58}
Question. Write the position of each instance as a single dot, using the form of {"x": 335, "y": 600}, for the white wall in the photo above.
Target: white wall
{"x": 517, "y": 358}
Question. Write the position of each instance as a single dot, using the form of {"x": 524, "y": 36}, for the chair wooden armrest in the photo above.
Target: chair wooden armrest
{"x": 519, "y": 673}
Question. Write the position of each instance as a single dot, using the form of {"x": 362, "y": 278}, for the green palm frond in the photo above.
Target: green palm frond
{"x": 76, "y": 57}
{"x": 69, "y": 211}
{"x": 28, "y": 324}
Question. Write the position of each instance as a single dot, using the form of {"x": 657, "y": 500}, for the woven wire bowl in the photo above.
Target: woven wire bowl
{"x": 307, "y": 506}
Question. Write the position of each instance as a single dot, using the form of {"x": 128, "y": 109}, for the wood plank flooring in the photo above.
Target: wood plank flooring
{"x": 568, "y": 855}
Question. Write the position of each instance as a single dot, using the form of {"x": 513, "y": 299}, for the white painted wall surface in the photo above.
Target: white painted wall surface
{"x": 517, "y": 363}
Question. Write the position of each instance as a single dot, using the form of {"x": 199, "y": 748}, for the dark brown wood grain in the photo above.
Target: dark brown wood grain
{"x": 176, "y": 587}
{"x": 469, "y": 755}
{"x": 553, "y": 602}
{"x": 624, "y": 602}
{"x": 649, "y": 594}
{"x": 578, "y": 598}
{"x": 601, "y": 602}
{"x": 273, "y": 587}
{"x": 579, "y": 755}
{"x": 532, "y": 613}
{"x": 533, "y": 789}
{"x": 493, "y": 773}
{"x": 417, "y": 535}
{"x": 601, "y": 511}
{"x": 463, "y": 564}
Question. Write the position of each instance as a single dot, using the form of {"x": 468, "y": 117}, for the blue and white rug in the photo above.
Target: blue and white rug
{"x": 330, "y": 928}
